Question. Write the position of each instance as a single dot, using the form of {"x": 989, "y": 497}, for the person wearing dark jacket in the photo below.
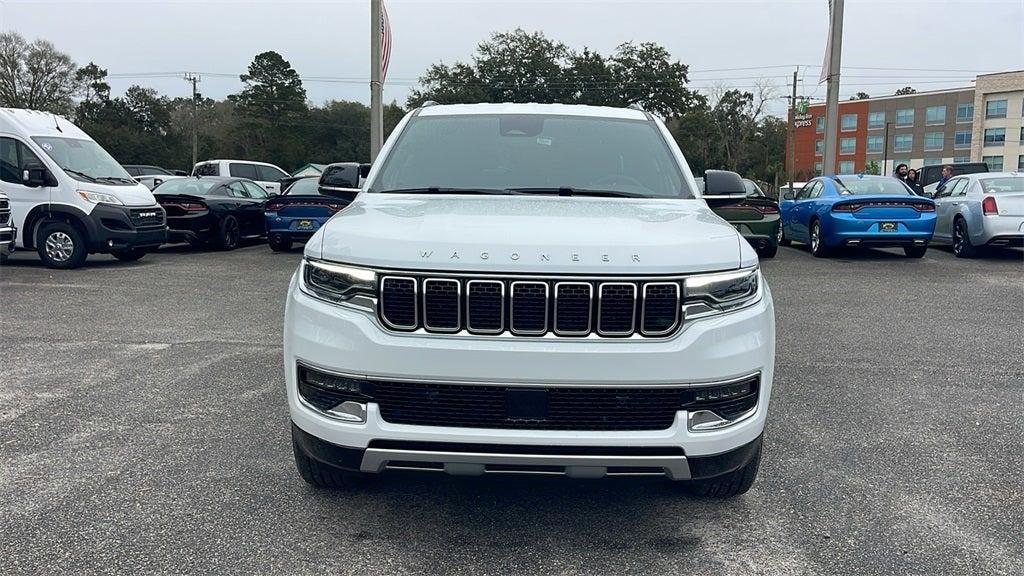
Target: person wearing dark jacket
{"x": 913, "y": 183}
{"x": 901, "y": 172}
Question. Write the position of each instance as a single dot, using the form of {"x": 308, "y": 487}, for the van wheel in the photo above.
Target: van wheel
{"x": 129, "y": 255}
{"x": 279, "y": 243}
{"x": 728, "y": 485}
{"x": 61, "y": 246}
{"x": 230, "y": 233}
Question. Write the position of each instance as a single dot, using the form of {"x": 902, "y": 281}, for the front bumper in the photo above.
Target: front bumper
{"x": 112, "y": 229}
{"x": 8, "y": 235}
{"x": 475, "y": 460}
{"x": 706, "y": 350}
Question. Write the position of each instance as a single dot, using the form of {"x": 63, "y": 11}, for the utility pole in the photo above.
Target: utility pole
{"x": 885, "y": 149}
{"x": 832, "y": 103}
{"x": 194, "y": 78}
{"x": 791, "y": 132}
{"x": 376, "y": 104}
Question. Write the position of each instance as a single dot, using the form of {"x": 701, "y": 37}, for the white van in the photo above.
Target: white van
{"x": 69, "y": 198}
{"x": 266, "y": 175}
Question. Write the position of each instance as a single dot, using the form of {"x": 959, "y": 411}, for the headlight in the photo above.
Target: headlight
{"x": 99, "y": 198}
{"x": 722, "y": 291}
{"x": 336, "y": 282}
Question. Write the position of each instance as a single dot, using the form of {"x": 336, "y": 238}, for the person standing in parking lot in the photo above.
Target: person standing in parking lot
{"x": 913, "y": 183}
{"x": 901, "y": 172}
{"x": 947, "y": 173}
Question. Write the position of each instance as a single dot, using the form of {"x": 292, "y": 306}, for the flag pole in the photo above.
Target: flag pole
{"x": 376, "y": 103}
{"x": 832, "y": 103}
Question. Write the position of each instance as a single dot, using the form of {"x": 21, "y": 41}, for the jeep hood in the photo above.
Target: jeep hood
{"x": 540, "y": 234}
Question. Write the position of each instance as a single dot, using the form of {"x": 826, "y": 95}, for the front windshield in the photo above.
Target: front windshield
{"x": 84, "y": 160}
{"x": 523, "y": 151}
{"x": 193, "y": 186}
{"x": 304, "y": 187}
{"x": 869, "y": 186}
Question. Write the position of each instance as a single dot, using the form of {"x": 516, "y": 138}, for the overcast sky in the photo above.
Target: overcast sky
{"x": 931, "y": 44}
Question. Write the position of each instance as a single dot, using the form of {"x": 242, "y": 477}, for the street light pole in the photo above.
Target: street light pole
{"x": 376, "y": 101}
{"x": 832, "y": 103}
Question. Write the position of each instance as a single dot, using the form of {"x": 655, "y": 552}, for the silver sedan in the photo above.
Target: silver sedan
{"x": 977, "y": 210}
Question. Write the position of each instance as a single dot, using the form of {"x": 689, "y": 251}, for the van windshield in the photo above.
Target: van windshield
{"x": 84, "y": 160}
{"x": 532, "y": 153}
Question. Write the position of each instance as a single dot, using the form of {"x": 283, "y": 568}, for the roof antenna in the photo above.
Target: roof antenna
{"x": 55, "y": 123}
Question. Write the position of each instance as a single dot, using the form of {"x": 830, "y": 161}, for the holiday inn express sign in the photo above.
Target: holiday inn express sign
{"x": 802, "y": 120}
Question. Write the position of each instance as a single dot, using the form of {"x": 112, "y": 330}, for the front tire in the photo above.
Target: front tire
{"x": 230, "y": 233}
{"x": 129, "y": 255}
{"x": 279, "y": 243}
{"x": 728, "y": 485}
{"x": 319, "y": 475}
{"x": 61, "y": 246}
{"x": 818, "y": 247}
{"x": 915, "y": 251}
{"x": 962, "y": 247}
{"x": 768, "y": 250}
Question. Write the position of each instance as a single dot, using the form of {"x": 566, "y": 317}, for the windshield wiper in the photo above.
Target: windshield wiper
{"x": 117, "y": 179}
{"x": 438, "y": 190}
{"x": 567, "y": 191}
{"x": 82, "y": 174}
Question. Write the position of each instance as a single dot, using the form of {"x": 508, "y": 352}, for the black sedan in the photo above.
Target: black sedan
{"x": 212, "y": 211}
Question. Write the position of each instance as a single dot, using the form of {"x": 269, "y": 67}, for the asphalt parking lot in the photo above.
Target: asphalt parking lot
{"x": 144, "y": 429}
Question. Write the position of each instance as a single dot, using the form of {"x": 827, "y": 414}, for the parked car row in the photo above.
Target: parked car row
{"x": 970, "y": 211}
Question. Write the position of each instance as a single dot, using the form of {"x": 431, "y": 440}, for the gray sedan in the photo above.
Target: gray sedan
{"x": 977, "y": 210}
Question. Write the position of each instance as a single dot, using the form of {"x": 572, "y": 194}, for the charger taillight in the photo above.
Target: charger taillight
{"x": 846, "y": 207}
{"x": 762, "y": 208}
{"x": 988, "y": 206}
{"x": 924, "y": 207}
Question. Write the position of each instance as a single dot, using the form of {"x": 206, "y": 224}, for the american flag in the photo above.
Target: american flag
{"x": 385, "y": 41}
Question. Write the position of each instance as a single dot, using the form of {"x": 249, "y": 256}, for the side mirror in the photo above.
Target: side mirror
{"x": 788, "y": 196}
{"x": 723, "y": 183}
{"x": 36, "y": 177}
{"x": 364, "y": 170}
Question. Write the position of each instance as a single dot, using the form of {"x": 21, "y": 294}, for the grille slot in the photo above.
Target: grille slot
{"x": 568, "y": 307}
{"x": 529, "y": 309}
{"x": 485, "y": 306}
{"x": 398, "y": 302}
{"x": 572, "y": 308}
{"x": 616, "y": 309}
{"x": 660, "y": 310}
{"x": 441, "y": 306}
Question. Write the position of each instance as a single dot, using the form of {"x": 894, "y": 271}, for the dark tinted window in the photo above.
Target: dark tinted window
{"x": 16, "y": 157}
{"x": 151, "y": 171}
{"x": 254, "y": 190}
{"x": 304, "y": 187}
{"x": 133, "y": 170}
{"x": 345, "y": 176}
{"x": 235, "y": 190}
{"x": 208, "y": 169}
{"x": 859, "y": 186}
{"x": 194, "y": 186}
{"x": 239, "y": 170}
{"x": 268, "y": 173}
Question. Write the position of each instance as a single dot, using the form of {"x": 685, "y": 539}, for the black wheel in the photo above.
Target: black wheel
{"x": 915, "y": 251}
{"x": 320, "y": 475}
{"x": 61, "y": 245}
{"x": 962, "y": 247}
{"x": 279, "y": 243}
{"x": 728, "y": 485}
{"x": 129, "y": 255}
{"x": 781, "y": 237}
{"x": 768, "y": 249}
{"x": 230, "y": 233}
{"x": 818, "y": 247}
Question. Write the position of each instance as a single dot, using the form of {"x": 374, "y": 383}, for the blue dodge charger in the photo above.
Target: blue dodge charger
{"x": 834, "y": 211}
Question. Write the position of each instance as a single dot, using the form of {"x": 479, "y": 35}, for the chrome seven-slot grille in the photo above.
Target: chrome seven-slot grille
{"x": 530, "y": 306}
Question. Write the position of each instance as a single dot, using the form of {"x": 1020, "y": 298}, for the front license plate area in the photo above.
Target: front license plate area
{"x": 888, "y": 227}
{"x": 526, "y": 404}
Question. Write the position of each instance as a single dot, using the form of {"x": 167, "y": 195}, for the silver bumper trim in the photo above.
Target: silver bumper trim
{"x": 376, "y": 460}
